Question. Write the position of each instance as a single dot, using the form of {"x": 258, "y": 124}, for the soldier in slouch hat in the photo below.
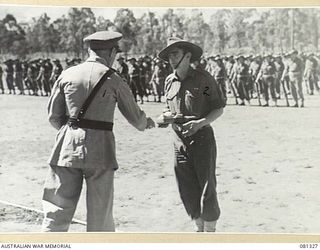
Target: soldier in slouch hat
{"x": 193, "y": 103}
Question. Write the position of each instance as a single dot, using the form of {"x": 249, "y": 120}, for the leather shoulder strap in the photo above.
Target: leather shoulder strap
{"x": 94, "y": 91}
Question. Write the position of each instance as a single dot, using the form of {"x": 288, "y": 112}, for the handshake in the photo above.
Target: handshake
{"x": 167, "y": 118}
{"x": 163, "y": 120}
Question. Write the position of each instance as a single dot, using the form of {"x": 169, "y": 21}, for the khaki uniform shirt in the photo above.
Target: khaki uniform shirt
{"x": 197, "y": 95}
{"x": 85, "y": 148}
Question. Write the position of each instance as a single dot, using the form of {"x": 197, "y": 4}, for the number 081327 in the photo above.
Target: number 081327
{"x": 310, "y": 246}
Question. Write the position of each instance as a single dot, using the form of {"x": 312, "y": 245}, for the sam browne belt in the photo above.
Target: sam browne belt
{"x": 80, "y": 122}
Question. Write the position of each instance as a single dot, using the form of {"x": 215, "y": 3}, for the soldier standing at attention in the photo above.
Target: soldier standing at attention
{"x": 310, "y": 73}
{"x": 134, "y": 76}
{"x": 220, "y": 75}
{"x": 229, "y": 64}
{"x": 18, "y": 76}
{"x": 195, "y": 101}
{"x": 32, "y": 77}
{"x": 40, "y": 77}
{"x": 267, "y": 75}
{"x": 241, "y": 75}
{"x": 157, "y": 79}
{"x": 254, "y": 69}
{"x": 123, "y": 68}
{"x": 82, "y": 108}
{"x": 56, "y": 71}
{"x": 294, "y": 71}
{"x": 9, "y": 76}
{"x": 279, "y": 72}
{"x": 143, "y": 74}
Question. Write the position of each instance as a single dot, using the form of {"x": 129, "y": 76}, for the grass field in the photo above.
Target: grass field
{"x": 268, "y": 170}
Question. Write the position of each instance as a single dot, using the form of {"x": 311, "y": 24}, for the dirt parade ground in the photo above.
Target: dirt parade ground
{"x": 268, "y": 170}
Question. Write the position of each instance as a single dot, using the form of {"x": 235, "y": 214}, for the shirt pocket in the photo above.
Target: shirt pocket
{"x": 74, "y": 144}
{"x": 193, "y": 101}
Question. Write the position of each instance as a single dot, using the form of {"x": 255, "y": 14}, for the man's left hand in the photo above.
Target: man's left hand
{"x": 191, "y": 127}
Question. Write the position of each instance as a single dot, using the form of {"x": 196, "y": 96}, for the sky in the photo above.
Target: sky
{"x": 26, "y": 13}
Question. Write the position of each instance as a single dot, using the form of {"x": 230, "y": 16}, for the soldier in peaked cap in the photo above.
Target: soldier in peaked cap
{"x": 193, "y": 102}
{"x": 81, "y": 108}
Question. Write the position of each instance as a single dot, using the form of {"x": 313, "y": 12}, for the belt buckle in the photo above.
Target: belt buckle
{"x": 72, "y": 124}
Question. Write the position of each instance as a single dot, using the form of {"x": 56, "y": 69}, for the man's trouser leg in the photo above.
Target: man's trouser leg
{"x": 100, "y": 200}
{"x": 195, "y": 173}
{"x": 240, "y": 89}
{"x": 188, "y": 185}
{"x": 300, "y": 91}
{"x": 203, "y": 154}
{"x": 271, "y": 84}
{"x": 265, "y": 90}
{"x": 277, "y": 86}
{"x": 294, "y": 86}
{"x": 61, "y": 194}
{"x": 310, "y": 81}
{"x": 1, "y": 84}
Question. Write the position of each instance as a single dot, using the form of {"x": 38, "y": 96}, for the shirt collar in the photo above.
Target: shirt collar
{"x": 95, "y": 58}
{"x": 190, "y": 74}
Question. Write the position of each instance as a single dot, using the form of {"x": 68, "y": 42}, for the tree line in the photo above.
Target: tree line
{"x": 227, "y": 31}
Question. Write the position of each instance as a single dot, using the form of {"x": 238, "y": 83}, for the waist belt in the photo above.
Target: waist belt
{"x": 90, "y": 124}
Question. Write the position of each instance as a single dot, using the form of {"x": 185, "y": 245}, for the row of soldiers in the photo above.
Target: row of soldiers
{"x": 262, "y": 77}
{"x": 245, "y": 77}
{"x": 145, "y": 76}
{"x": 36, "y": 77}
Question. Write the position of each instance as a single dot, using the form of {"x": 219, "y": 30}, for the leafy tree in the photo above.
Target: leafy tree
{"x": 126, "y": 23}
{"x": 12, "y": 37}
{"x": 219, "y": 38}
{"x": 103, "y": 24}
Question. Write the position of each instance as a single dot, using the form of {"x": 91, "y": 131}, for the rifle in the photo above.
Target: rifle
{"x": 285, "y": 92}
